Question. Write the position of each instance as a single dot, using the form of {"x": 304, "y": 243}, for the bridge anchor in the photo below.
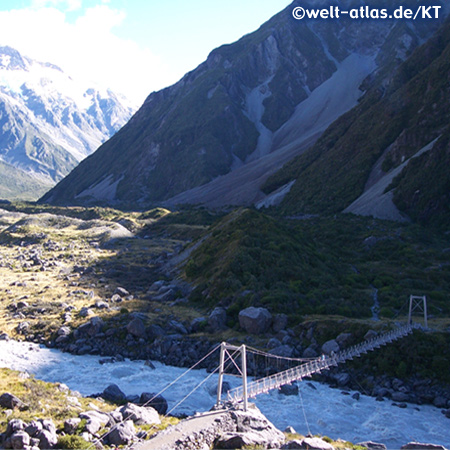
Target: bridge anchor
{"x": 418, "y": 303}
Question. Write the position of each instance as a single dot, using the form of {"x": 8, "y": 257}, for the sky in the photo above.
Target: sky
{"x": 131, "y": 46}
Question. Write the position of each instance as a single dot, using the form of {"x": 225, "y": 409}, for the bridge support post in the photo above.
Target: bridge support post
{"x": 418, "y": 302}
{"x": 224, "y": 347}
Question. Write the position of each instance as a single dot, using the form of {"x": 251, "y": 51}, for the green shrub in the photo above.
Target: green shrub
{"x": 72, "y": 442}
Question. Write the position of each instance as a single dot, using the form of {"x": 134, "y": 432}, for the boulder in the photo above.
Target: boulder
{"x": 236, "y": 440}
{"x": 315, "y": 443}
{"x": 289, "y": 389}
{"x": 330, "y": 347}
{"x": 122, "y": 292}
{"x": 15, "y": 425}
{"x": 296, "y": 443}
{"x": 217, "y": 320}
{"x": 20, "y": 439}
{"x": 137, "y": 328}
{"x": 10, "y": 401}
{"x": 400, "y": 397}
{"x": 34, "y": 427}
{"x": 283, "y": 350}
{"x": 47, "y": 439}
{"x": 420, "y": 446}
{"x": 71, "y": 425}
{"x": 114, "y": 394}
{"x": 177, "y": 327}
{"x": 255, "y": 320}
{"x": 198, "y": 324}
{"x": 310, "y": 352}
{"x": 343, "y": 339}
{"x": 440, "y": 402}
{"x": 122, "y": 434}
{"x": 140, "y": 415}
{"x": 157, "y": 402}
{"x": 372, "y": 445}
{"x": 280, "y": 322}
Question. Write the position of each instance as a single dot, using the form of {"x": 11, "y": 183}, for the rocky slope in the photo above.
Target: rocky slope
{"x": 216, "y": 135}
{"x": 386, "y": 157}
{"x": 48, "y": 123}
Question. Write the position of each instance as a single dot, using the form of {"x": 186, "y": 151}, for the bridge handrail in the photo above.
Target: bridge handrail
{"x": 279, "y": 379}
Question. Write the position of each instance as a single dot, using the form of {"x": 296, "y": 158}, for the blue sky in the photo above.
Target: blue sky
{"x": 133, "y": 46}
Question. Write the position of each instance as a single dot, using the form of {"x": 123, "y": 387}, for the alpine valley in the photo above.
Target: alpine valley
{"x": 48, "y": 123}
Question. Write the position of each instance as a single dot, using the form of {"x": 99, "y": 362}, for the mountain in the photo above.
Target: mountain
{"x": 218, "y": 134}
{"x": 48, "y": 123}
{"x": 388, "y": 157}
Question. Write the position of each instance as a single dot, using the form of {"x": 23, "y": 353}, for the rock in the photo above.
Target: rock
{"x": 122, "y": 434}
{"x": 310, "y": 353}
{"x": 280, "y": 322}
{"x": 356, "y": 396}
{"x": 330, "y": 346}
{"x": 370, "y": 335}
{"x": 71, "y": 425}
{"x": 63, "y": 331}
{"x": 289, "y": 389}
{"x": 157, "y": 402}
{"x": 342, "y": 379}
{"x": 23, "y": 327}
{"x": 140, "y": 415}
{"x": 400, "y": 397}
{"x": 440, "y": 402}
{"x": 316, "y": 444}
{"x": 273, "y": 343}
{"x": 372, "y": 445}
{"x": 236, "y": 440}
{"x": 419, "y": 446}
{"x": 447, "y": 414}
{"x": 95, "y": 420}
{"x": 10, "y": 401}
{"x": 114, "y": 394}
{"x": 15, "y": 425}
{"x": 47, "y": 439}
{"x": 296, "y": 443}
{"x": 137, "y": 328}
{"x": 85, "y": 312}
{"x": 155, "y": 331}
{"x": 34, "y": 428}
{"x": 198, "y": 324}
{"x": 20, "y": 439}
{"x": 122, "y": 292}
{"x": 177, "y": 327}
{"x": 290, "y": 430}
{"x": 343, "y": 339}
{"x": 47, "y": 424}
{"x": 283, "y": 350}
{"x": 101, "y": 305}
{"x": 217, "y": 320}
{"x": 255, "y": 320}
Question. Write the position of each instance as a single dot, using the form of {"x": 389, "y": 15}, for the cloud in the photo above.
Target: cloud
{"x": 86, "y": 48}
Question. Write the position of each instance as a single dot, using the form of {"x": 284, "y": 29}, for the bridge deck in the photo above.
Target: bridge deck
{"x": 277, "y": 380}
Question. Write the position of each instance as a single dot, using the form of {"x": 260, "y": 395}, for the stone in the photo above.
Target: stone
{"x": 140, "y": 415}
{"x": 236, "y": 440}
{"x": 400, "y": 397}
{"x": 47, "y": 439}
{"x": 289, "y": 389}
{"x": 255, "y": 320}
{"x": 371, "y": 334}
{"x": 177, "y": 327}
{"x": 20, "y": 440}
{"x": 23, "y": 327}
{"x": 280, "y": 322}
{"x": 10, "y": 401}
{"x": 157, "y": 402}
{"x": 342, "y": 379}
{"x": 420, "y": 446}
{"x": 15, "y": 425}
{"x": 34, "y": 427}
{"x": 114, "y": 394}
{"x": 296, "y": 443}
{"x": 85, "y": 312}
{"x": 122, "y": 433}
{"x": 137, "y": 328}
{"x": 217, "y": 320}
{"x": 343, "y": 339}
{"x": 290, "y": 430}
{"x": 198, "y": 324}
{"x": 440, "y": 402}
{"x": 372, "y": 445}
{"x": 330, "y": 347}
{"x": 71, "y": 425}
{"x": 121, "y": 291}
{"x": 310, "y": 353}
{"x": 283, "y": 350}
{"x": 63, "y": 331}
{"x": 47, "y": 424}
{"x": 316, "y": 444}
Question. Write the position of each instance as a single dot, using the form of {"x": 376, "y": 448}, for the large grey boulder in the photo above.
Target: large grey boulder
{"x": 140, "y": 415}
{"x": 122, "y": 434}
{"x": 47, "y": 439}
{"x": 137, "y": 328}
{"x": 71, "y": 425}
{"x": 20, "y": 439}
{"x": 10, "y": 401}
{"x": 420, "y": 446}
{"x": 237, "y": 440}
{"x": 372, "y": 445}
{"x": 255, "y": 320}
{"x": 114, "y": 394}
{"x": 330, "y": 347}
{"x": 217, "y": 320}
{"x": 316, "y": 444}
{"x": 280, "y": 322}
{"x": 34, "y": 427}
{"x": 157, "y": 402}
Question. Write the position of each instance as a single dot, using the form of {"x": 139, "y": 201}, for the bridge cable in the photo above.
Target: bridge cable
{"x": 304, "y": 412}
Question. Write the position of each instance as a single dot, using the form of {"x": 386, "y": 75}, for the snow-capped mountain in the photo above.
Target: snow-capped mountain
{"x": 49, "y": 122}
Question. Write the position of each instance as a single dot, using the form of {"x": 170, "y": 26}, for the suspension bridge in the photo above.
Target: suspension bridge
{"x": 308, "y": 368}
